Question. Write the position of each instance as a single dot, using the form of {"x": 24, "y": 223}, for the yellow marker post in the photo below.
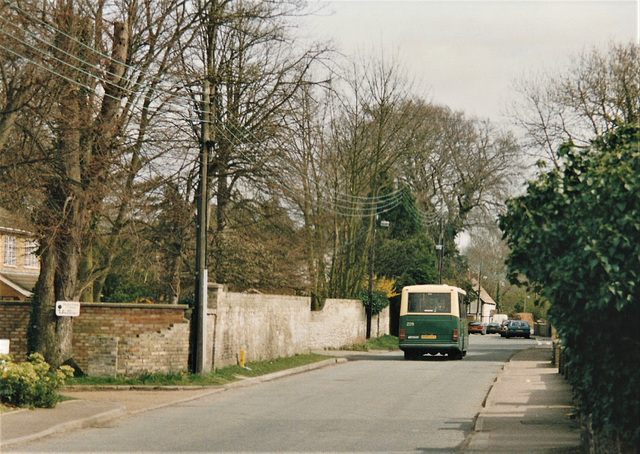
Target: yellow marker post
{"x": 241, "y": 358}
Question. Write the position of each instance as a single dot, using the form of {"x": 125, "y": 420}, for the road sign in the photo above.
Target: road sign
{"x": 67, "y": 308}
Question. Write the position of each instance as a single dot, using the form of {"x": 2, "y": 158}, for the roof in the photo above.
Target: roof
{"x": 22, "y": 283}
{"x": 435, "y": 288}
{"x": 14, "y": 223}
{"x": 484, "y": 296}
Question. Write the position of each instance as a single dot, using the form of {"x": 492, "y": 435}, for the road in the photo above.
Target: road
{"x": 376, "y": 403}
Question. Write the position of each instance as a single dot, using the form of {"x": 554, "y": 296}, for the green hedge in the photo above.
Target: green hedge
{"x": 575, "y": 235}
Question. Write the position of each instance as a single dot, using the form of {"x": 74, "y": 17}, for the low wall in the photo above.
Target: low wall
{"x": 272, "y": 326}
{"x": 339, "y": 323}
{"x": 264, "y": 326}
{"x": 14, "y": 319}
{"x": 147, "y": 337}
{"x": 140, "y": 329}
{"x": 128, "y": 339}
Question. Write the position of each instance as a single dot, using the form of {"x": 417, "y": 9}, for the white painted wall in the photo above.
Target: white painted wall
{"x": 272, "y": 326}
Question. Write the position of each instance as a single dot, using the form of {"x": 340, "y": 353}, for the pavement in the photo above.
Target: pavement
{"x": 528, "y": 409}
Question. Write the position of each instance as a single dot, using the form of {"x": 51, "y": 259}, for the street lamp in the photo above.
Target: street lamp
{"x": 384, "y": 224}
{"x": 440, "y": 249}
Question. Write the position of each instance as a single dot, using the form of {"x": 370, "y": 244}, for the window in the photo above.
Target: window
{"x": 10, "y": 250}
{"x": 429, "y": 302}
{"x": 462, "y": 305}
{"x": 30, "y": 257}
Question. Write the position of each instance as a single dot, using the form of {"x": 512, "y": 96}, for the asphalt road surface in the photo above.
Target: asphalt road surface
{"x": 375, "y": 403}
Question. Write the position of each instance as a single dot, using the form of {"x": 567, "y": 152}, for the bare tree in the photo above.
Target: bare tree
{"x": 301, "y": 181}
{"x": 369, "y": 131}
{"x": 82, "y": 139}
{"x": 600, "y": 88}
{"x": 73, "y": 182}
{"x": 456, "y": 165}
{"x": 253, "y": 69}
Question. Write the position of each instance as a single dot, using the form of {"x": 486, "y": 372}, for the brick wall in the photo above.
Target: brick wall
{"x": 128, "y": 339}
{"x": 124, "y": 321}
{"x": 140, "y": 327}
{"x": 14, "y": 319}
{"x": 166, "y": 350}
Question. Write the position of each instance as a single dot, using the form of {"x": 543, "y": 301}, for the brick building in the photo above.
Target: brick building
{"x": 19, "y": 264}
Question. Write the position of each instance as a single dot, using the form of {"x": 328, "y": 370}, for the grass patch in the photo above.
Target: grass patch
{"x": 385, "y": 342}
{"x": 214, "y": 378}
{"x": 6, "y": 408}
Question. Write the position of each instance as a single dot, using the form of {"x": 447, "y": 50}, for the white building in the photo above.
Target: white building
{"x": 487, "y": 304}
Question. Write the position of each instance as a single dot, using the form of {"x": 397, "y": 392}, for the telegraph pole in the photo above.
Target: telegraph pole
{"x": 479, "y": 306}
{"x": 201, "y": 239}
{"x": 372, "y": 254}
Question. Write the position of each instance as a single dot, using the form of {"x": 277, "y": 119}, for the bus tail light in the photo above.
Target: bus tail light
{"x": 455, "y": 334}
{"x": 402, "y": 334}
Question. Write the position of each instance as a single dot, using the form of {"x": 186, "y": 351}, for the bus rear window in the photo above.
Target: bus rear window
{"x": 429, "y": 303}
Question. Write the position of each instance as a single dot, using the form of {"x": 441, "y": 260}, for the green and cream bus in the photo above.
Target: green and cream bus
{"x": 433, "y": 319}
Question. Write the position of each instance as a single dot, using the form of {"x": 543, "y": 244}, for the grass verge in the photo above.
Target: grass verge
{"x": 385, "y": 342}
{"x": 225, "y": 375}
{"x": 214, "y": 378}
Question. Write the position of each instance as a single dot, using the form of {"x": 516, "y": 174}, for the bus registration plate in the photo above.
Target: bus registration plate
{"x": 428, "y": 336}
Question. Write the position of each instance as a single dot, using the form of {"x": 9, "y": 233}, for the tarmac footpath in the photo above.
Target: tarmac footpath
{"x": 529, "y": 409}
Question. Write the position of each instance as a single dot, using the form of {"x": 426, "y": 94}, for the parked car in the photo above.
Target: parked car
{"x": 493, "y": 328}
{"x": 503, "y": 327}
{"x": 518, "y": 328}
{"x": 477, "y": 328}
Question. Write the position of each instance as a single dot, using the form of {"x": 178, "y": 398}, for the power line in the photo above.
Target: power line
{"x": 364, "y": 204}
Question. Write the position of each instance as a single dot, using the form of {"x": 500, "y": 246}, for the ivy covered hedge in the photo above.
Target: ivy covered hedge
{"x": 575, "y": 234}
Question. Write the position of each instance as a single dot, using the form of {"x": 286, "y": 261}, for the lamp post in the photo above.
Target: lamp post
{"x": 372, "y": 255}
{"x": 369, "y": 311}
{"x": 439, "y": 249}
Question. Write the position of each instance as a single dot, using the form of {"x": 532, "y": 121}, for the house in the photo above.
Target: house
{"x": 19, "y": 264}
{"x": 487, "y": 304}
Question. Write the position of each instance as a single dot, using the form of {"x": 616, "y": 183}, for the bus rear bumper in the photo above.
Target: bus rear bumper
{"x": 418, "y": 349}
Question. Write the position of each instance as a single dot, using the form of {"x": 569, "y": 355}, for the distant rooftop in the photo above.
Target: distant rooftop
{"x": 13, "y": 222}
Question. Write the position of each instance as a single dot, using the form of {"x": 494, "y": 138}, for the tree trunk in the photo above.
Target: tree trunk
{"x": 176, "y": 268}
{"x": 49, "y": 334}
{"x": 74, "y": 192}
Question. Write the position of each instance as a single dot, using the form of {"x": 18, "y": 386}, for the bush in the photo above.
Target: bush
{"x": 574, "y": 235}
{"x": 380, "y": 300}
{"x": 31, "y": 384}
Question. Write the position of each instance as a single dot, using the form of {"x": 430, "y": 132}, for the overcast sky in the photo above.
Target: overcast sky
{"x": 467, "y": 53}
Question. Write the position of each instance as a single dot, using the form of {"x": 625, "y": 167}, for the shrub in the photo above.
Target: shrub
{"x": 32, "y": 383}
{"x": 574, "y": 235}
{"x": 380, "y": 300}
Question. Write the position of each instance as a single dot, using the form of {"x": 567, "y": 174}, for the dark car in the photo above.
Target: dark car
{"x": 517, "y": 328}
{"x": 477, "y": 328}
{"x": 493, "y": 328}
